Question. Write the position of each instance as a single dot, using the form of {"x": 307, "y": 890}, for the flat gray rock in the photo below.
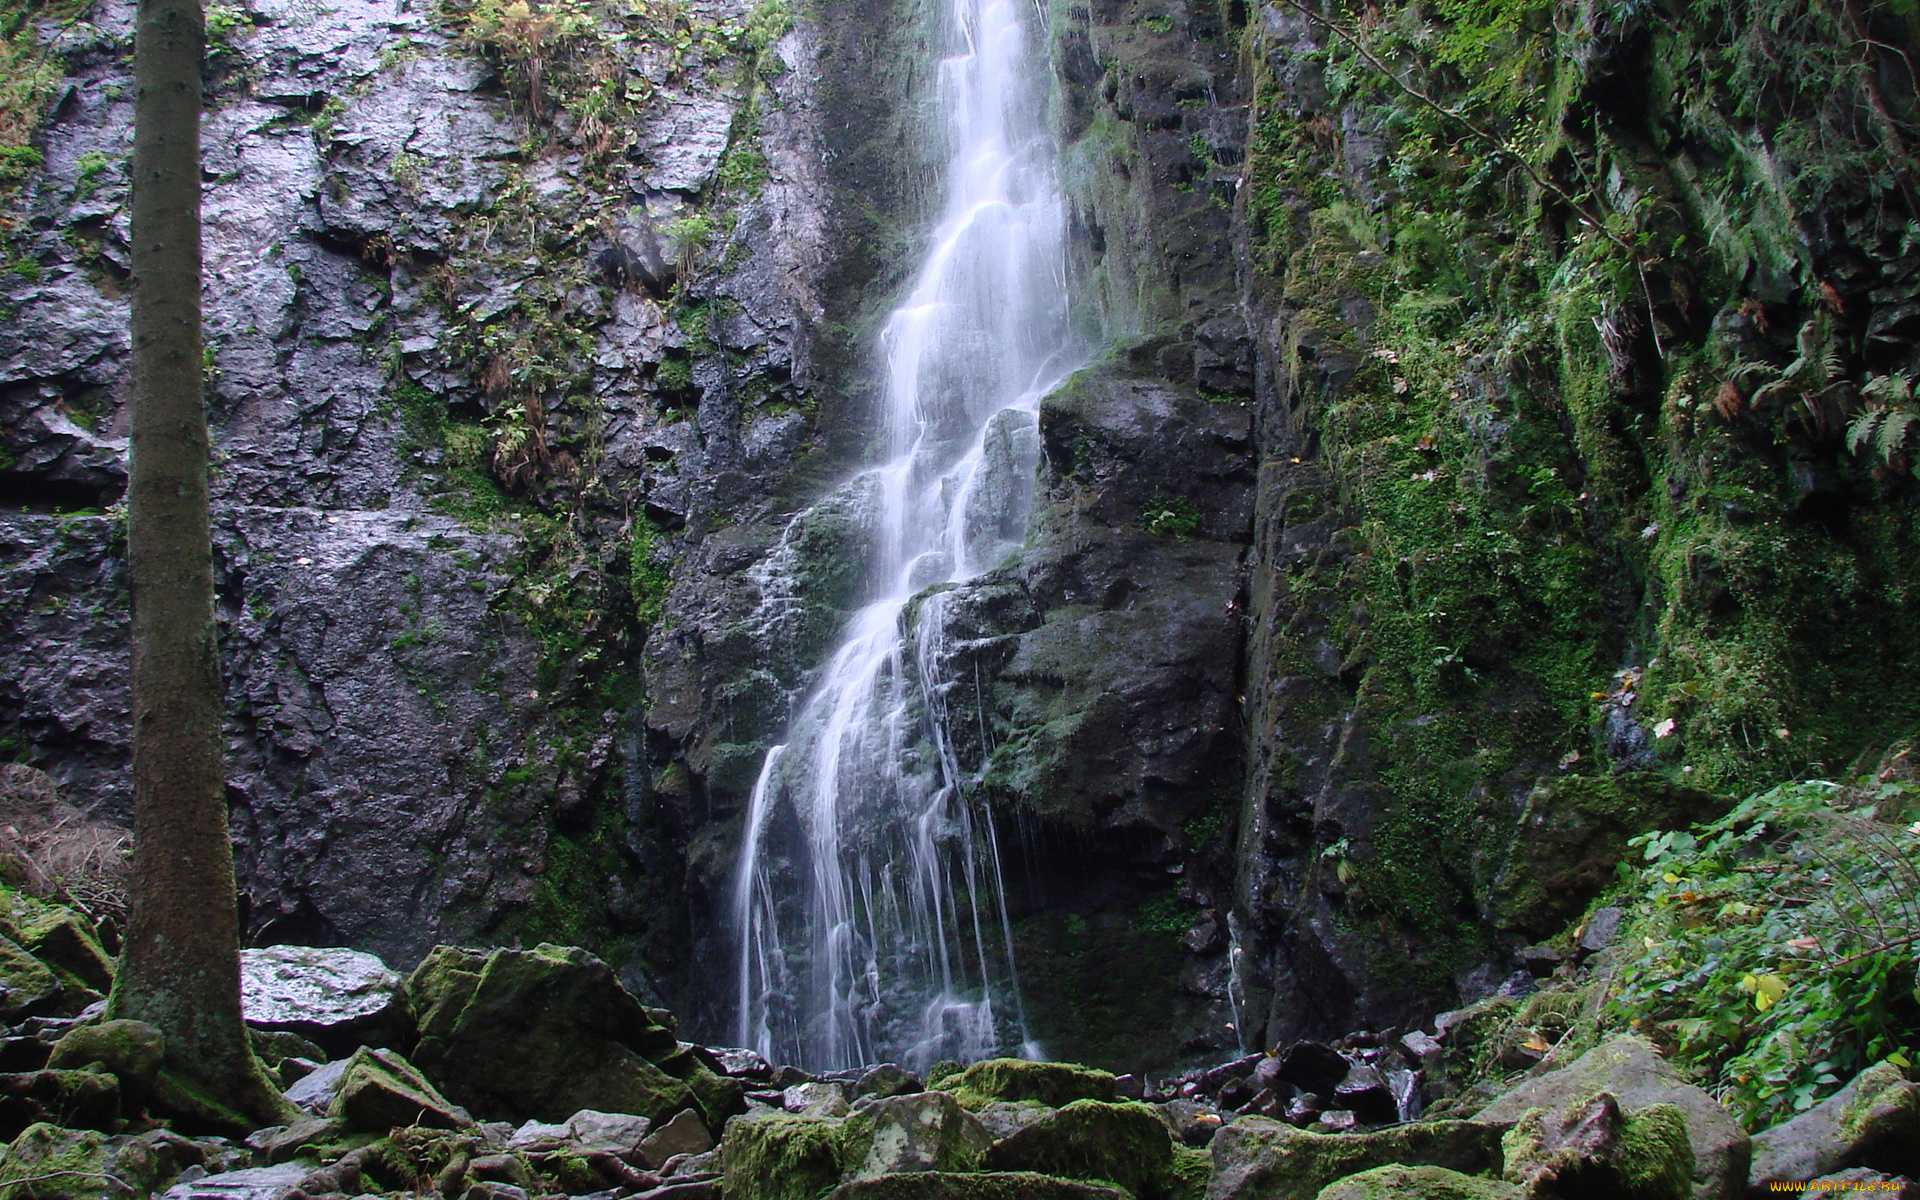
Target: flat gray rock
{"x": 303, "y": 988}
{"x": 255, "y": 1183}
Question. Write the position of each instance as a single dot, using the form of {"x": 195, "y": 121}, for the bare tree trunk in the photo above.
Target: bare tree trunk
{"x": 181, "y": 967}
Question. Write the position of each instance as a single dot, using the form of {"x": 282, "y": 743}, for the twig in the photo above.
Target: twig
{"x": 1899, "y": 941}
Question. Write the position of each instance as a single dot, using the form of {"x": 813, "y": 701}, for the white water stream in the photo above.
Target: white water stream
{"x": 869, "y": 907}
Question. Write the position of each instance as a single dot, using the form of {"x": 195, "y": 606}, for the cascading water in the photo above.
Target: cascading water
{"x": 871, "y": 918}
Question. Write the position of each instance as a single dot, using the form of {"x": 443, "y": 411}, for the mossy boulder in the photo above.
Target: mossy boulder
{"x": 923, "y": 1131}
{"x": 1571, "y": 833}
{"x": 541, "y": 1034}
{"x": 992, "y": 1185}
{"x": 1260, "y": 1159}
{"x": 76, "y": 1099}
{"x": 62, "y": 939}
{"x": 82, "y": 1164}
{"x": 1629, "y": 1069}
{"x": 1052, "y": 1084}
{"x": 1418, "y": 1183}
{"x": 130, "y": 1051}
{"x": 1872, "y": 1122}
{"x": 780, "y": 1156}
{"x": 26, "y": 985}
{"x": 381, "y": 1090}
{"x": 1594, "y": 1151}
{"x": 1128, "y": 1144}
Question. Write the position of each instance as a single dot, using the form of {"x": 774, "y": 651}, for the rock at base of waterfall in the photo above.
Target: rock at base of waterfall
{"x": 994, "y": 1185}
{"x": 1127, "y": 1143}
{"x": 380, "y": 1090}
{"x": 1595, "y": 1149}
{"x": 685, "y": 1134}
{"x": 1418, "y": 1183}
{"x": 315, "y": 1090}
{"x": 1259, "y": 1158}
{"x": 1874, "y": 1121}
{"x": 1052, "y": 1084}
{"x": 1313, "y": 1067}
{"x": 887, "y": 1079}
{"x": 576, "y": 1038}
{"x": 742, "y": 1063}
{"x": 336, "y": 997}
{"x": 925, "y": 1131}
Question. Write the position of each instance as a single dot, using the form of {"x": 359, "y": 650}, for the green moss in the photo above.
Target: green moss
{"x": 1127, "y": 1144}
{"x": 781, "y": 1157}
{"x": 1017, "y": 1079}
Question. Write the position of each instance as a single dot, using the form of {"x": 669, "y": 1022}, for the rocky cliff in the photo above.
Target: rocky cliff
{"x": 1501, "y": 447}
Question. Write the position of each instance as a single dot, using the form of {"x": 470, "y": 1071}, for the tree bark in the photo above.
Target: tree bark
{"x": 180, "y": 969}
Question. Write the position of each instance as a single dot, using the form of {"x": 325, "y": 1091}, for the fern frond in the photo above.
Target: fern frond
{"x": 1862, "y": 429}
{"x": 1889, "y": 389}
{"x": 1892, "y": 437}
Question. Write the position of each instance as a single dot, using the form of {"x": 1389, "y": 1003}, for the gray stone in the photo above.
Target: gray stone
{"x": 333, "y": 996}
{"x": 1602, "y": 926}
{"x": 816, "y": 1099}
{"x": 315, "y": 1090}
{"x": 615, "y": 1133}
{"x": 1259, "y": 1159}
{"x": 254, "y": 1183}
{"x": 1635, "y": 1074}
{"x": 684, "y": 1134}
{"x": 380, "y": 1090}
{"x": 925, "y": 1131}
{"x": 1418, "y": 1183}
{"x": 1872, "y": 1122}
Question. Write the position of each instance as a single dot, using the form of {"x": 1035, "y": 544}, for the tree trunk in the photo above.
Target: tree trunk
{"x": 180, "y": 969}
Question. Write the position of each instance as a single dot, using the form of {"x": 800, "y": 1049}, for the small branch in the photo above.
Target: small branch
{"x": 1899, "y": 941}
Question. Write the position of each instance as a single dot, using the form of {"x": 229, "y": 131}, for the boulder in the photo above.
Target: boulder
{"x": 1052, "y": 1084}
{"x": 887, "y": 1080}
{"x": 254, "y": 1183}
{"x": 26, "y": 985}
{"x": 1628, "y": 1068}
{"x": 82, "y": 1164}
{"x": 380, "y": 1090}
{"x": 1572, "y": 832}
{"x": 781, "y": 1156}
{"x": 1004, "y": 1118}
{"x": 924, "y": 1131}
{"x": 130, "y": 1051}
{"x": 75, "y": 1099}
{"x": 66, "y": 941}
{"x": 1594, "y": 1151}
{"x": 1873, "y": 1122}
{"x": 283, "y": 1143}
{"x": 338, "y": 998}
{"x": 993, "y": 1185}
{"x": 816, "y": 1099}
{"x": 1365, "y": 1093}
{"x": 315, "y": 1090}
{"x": 575, "y": 1038}
{"x": 685, "y": 1134}
{"x": 1260, "y": 1159}
{"x": 1312, "y": 1067}
{"x": 1418, "y": 1183}
{"x": 1126, "y": 1143}
{"x": 619, "y": 1134}
{"x": 742, "y": 1063}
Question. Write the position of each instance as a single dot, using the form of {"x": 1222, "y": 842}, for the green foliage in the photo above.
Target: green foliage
{"x": 648, "y": 579}
{"x": 91, "y": 167}
{"x": 1776, "y": 947}
{"x": 1883, "y": 430}
{"x": 1170, "y": 516}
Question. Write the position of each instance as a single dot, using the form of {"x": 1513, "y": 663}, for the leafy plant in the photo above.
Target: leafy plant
{"x": 1884, "y": 427}
{"x": 1775, "y": 948}
{"x": 1173, "y": 516}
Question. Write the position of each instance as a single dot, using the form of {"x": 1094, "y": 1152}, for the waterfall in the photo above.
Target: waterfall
{"x": 868, "y": 905}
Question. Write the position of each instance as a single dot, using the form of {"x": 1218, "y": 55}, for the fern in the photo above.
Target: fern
{"x": 1883, "y": 430}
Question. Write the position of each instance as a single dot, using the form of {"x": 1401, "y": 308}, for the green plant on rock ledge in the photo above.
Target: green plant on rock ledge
{"x": 1776, "y": 948}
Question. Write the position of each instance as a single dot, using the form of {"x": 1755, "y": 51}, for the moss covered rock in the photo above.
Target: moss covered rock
{"x": 1873, "y": 1122}
{"x": 61, "y": 938}
{"x": 1629, "y": 1069}
{"x": 26, "y": 985}
{"x": 541, "y": 1034}
{"x": 130, "y": 1051}
{"x": 1596, "y": 1150}
{"x": 1571, "y": 834}
{"x": 1052, "y": 1084}
{"x": 1418, "y": 1183}
{"x": 991, "y": 1185}
{"x": 380, "y": 1090}
{"x": 923, "y": 1131}
{"x": 779, "y": 1156}
{"x": 1128, "y": 1144}
{"x": 1259, "y": 1159}
{"x": 76, "y": 1099}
